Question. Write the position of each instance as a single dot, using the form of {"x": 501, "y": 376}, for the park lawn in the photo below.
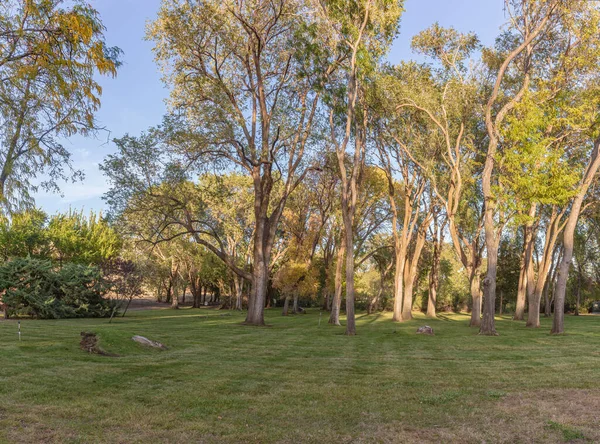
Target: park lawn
{"x": 296, "y": 381}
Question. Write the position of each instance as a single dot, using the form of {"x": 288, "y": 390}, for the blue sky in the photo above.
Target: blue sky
{"x": 134, "y": 100}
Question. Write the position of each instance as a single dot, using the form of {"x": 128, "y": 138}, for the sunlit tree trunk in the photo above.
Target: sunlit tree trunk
{"x": 474, "y": 285}
{"x": 411, "y": 267}
{"x": 174, "y": 295}
{"x": 334, "y": 317}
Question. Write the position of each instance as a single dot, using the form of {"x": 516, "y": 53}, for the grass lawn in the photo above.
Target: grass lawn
{"x": 297, "y": 382}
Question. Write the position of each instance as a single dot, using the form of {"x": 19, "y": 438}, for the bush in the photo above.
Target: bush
{"x": 33, "y": 287}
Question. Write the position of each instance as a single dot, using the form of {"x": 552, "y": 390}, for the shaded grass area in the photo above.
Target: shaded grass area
{"x": 220, "y": 381}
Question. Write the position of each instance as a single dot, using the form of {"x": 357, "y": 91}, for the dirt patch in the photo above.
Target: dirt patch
{"x": 89, "y": 343}
{"x": 548, "y": 416}
{"x": 565, "y": 415}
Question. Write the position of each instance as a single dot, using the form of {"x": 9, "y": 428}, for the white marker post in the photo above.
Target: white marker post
{"x": 320, "y": 314}
{"x": 19, "y": 324}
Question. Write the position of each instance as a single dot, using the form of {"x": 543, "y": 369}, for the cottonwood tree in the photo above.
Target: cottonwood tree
{"x": 370, "y": 217}
{"x": 553, "y": 54}
{"x": 363, "y": 31}
{"x": 50, "y": 53}
{"x": 246, "y": 81}
{"x": 514, "y": 65}
{"x": 303, "y": 220}
{"x": 445, "y": 95}
{"x": 539, "y": 174}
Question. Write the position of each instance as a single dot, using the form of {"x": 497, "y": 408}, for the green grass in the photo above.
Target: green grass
{"x": 294, "y": 381}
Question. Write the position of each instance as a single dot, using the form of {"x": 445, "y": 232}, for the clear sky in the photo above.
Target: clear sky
{"x": 134, "y": 100}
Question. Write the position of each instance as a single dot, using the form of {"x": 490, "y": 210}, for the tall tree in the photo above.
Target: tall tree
{"x": 513, "y": 65}
{"x": 364, "y": 31}
{"x": 246, "y": 81}
{"x": 445, "y": 94}
{"x": 50, "y": 53}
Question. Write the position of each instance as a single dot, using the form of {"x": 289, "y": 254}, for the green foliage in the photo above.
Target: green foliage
{"x": 82, "y": 289}
{"x": 447, "y": 45}
{"x": 33, "y": 287}
{"x": 69, "y": 237}
{"x": 453, "y": 292}
{"x": 24, "y": 234}
{"x": 80, "y": 239}
{"x": 50, "y": 52}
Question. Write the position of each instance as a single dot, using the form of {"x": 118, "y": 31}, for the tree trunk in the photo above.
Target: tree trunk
{"x": 174, "y": 295}
{"x": 399, "y": 285}
{"x": 350, "y": 319}
{"x": 238, "y": 283}
{"x": 501, "y": 301}
{"x": 474, "y": 285}
{"x": 411, "y": 267}
{"x": 286, "y": 306}
{"x": 488, "y": 322}
{"x": 296, "y": 309}
{"x": 127, "y": 307}
{"x": 578, "y": 294}
{"x": 521, "y": 291}
{"x": 547, "y": 307}
{"x": 431, "y": 298}
{"x": 526, "y": 276}
{"x": 434, "y": 277}
{"x": 264, "y": 234}
{"x": 334, "y": 317}
{"x": 408, "y": 289}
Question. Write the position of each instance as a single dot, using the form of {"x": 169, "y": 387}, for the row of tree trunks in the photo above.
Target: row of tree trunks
{"x": 410, "y": 270}
{"x": 526, "y": 272}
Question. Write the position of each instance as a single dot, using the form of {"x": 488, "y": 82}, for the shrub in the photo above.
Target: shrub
{"x": 35, "y": 288}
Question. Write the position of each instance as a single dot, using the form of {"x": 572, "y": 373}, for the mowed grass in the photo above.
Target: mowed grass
{"x": 296, "y": 381}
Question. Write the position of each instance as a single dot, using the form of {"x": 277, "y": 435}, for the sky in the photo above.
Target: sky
{"x": 135, "y": 99}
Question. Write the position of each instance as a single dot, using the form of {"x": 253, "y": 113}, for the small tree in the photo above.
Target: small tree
{"x": 124, "y": 281}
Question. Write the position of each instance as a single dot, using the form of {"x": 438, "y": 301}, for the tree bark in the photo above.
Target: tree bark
{"x": 334, "y": 317}
{"x": 474, "y": 285}
{"x": 488, "y": 322}
{"x": 526, "y": 275}
{"x": 286, "y": 306}
{"x": 501, "y": 302}
{"x": 350, "y": 319}
{"x": 547, "y": 308}
{"x": 578, "y": 294}
{"x": 238, "y": 283}
{"x": 521, "y": 290}
{"x": 411, "y": 267}
{"x": 174, "y": 295}
{"x": 434, "y": 274}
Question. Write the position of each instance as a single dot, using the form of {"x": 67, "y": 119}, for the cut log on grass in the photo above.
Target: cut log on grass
{"x": 425, "y": 330}
{"x": 89, "y": 343}
{"x": 149, "y": 342}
